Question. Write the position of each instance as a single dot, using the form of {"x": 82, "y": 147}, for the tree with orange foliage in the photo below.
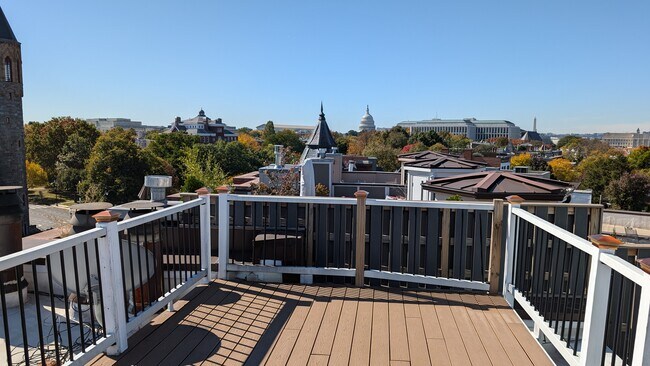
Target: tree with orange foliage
{"x": 248, "y": 141}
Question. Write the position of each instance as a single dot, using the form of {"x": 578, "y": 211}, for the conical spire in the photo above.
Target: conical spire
{"x": 5, "y": 28}
{"x": 322, "y": 136}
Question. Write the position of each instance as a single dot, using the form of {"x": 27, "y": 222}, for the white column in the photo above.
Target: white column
{"x": 642, "y": 339}
{"x": 205, "y": 238}
{"x": 110, "y": 263}
{"x": 508, "y": 255}
{"x": 224, "y": 231}
{"x": 593, "y": 330}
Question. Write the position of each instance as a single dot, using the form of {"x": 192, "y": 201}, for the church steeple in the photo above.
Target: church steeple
{"x": 5, "y": 29}
{"x": 322, "y": 137}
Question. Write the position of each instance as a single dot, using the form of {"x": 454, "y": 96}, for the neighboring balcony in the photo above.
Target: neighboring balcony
{"x": 319, "y": 280}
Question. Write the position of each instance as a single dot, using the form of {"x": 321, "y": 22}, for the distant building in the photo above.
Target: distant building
{"x": 208, "y": 130}
{"x": 303, "y": 131}
{"x": 475, "y": 130}
{"x": 12, "y": 138}
{"x": 105, "y": 124}
{"x": 627, "y": 140}
{"x": 367, "y": 122}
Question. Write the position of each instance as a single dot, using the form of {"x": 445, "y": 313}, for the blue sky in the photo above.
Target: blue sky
{"x": 577, "y": 66}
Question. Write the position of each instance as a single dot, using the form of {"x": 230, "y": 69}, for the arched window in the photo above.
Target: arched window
{"x": 7, "y": 69}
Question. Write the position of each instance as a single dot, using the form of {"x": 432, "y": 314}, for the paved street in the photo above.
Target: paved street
{"x": 48, "y": 217}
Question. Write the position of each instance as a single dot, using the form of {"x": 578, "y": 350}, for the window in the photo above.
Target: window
{"x": 7, "y": 69}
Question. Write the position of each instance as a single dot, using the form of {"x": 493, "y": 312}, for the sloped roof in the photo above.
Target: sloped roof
{"x": 500, "y": 184}
{"x": 420, "y": 155}
{"x": 531, "y": 136}
{"x": 5, "y": 29}
{"x": 445, "y": 162}
{"x": 322, "y": 136}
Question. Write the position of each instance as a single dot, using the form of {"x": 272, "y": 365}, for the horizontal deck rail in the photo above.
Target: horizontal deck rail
{"x": 561, "y": 280}
{"x": 88, "y": 292}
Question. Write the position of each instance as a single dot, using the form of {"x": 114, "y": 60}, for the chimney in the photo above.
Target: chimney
{"x": 467, "y": 154}
{"x": 11, "y": 241}
{"x": 277, "y": 150}
{"x": 351, "y": 166}
{"x": 157, "y": 185}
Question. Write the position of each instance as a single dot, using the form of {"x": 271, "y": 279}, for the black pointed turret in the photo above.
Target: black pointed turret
{"x": 322, "y": 137}
{"x": 5, "y": 28}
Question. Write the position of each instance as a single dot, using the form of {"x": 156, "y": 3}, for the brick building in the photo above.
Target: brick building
{"x": 12, "y": 138}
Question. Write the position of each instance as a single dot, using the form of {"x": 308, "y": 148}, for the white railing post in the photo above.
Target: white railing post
{"x": 113, "y": 306}
{"x": 641, "y": 338}
{"x": 593, "y": 329}
{"x": 508, "y": 255}
{"x": 206, "y": 255}
{"x": 224, "y": 231}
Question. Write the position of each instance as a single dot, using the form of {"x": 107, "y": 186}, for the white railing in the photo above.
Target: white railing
{"x": 97, "y": 253}
{"x": 587, "y": 346}
{"x": 356, "y": 241}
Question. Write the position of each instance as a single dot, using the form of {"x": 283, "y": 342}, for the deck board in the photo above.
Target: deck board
{"x": 236, "y": 323}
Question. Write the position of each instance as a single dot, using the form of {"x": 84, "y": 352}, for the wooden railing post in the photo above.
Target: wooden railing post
{"x": 204, "y": 225}
{"x": 224, "y": 231}
{"x": 360, "y": 248}
{"x": 112, "y": 291}
{"x": 495, "y": 246}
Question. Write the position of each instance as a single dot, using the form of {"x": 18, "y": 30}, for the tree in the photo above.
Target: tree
{"x": 248, "y": 141}
{"x": 428, "y": 138}
{"x": 36, "y": 175}
{"x": 579, "y": 149}
{"x": 232, "y": 158}
{"x": 385, "y": 154}
{"x": 629, "y": 192}
{"x": 415, "y": 147}
{"x": 172, "y": 148}
{"x": 71, "y": 163}
{"x": 286, "y": 138}
{"x": 342, "y": 141}
{"x": 246, "y": 130}
{"x": 396, "y": 137}
{"x": 538, "y": 163}
{"x": 269, "y": 130}
{"x": 45, "y": 141}
{"x": 438, "y": 147}
{"x": 599, "y": 169}
{"x": 524, "y": 159}
{"x": 639, "y": 158}
{"x": 562, "y": 169}
{"x": 116, "y": 168}
{"x": 352, "y": 133}
{"x": 565, "y": 140}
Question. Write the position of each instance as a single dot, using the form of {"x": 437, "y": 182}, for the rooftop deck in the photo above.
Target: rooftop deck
{"x": 276, "y": 324}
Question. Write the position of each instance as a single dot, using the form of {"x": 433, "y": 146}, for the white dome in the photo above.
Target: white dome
{"x": 367, "y": 122}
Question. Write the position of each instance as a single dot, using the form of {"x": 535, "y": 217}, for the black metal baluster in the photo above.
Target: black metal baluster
{"x": 99, "y": 279}
{"x": 164, "y": 254}
{"x": 5, "y": 322}
{"x": 21, "y": 306}
{"x": 608, "y": 319}
{"x": 568, "y": 289}
{"x": 146, "y": 299}
{"x": 39, "y": 319}
{"x": 130, "y": 247}
{"x": 139, "y": 250}
{"x": 67, "y": 305}
{"x": 91, "y": 300}
{"x": 617, "y": 321}
{"x": 75, "y": 267}
{"x": 265, "y": 222}
{"x": 560, "y": 283}
{"x": 585, "y": 289}
{"x": 177, "y": 251}
{"x": 52, "y": 309}
{"x": 573, "y": 301}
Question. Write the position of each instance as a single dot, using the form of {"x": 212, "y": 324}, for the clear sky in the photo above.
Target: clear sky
{"x": 579, "y": 66}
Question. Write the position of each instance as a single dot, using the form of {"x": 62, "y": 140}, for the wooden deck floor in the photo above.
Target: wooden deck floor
{"x": 271, "y": 324}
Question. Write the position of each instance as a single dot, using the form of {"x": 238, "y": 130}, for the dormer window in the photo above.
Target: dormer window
{"x": 8, "y": 69}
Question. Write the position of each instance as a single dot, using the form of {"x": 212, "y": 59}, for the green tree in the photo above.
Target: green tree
{"x": 599, "y": 169}
{"x": 428, "y": 138}
{"x": 639, "y": 158}
{"x": 172, "y": 147}
{"x": 232, "y": 158}
{"x": 385, "y": 154}
{"x": 116, "y": 168}
{"x": 44, "y": 142}
{"x": 269, "y": 130}
{"x": 565, "y": 140}
{"x": 71, "y": 163}
{"x": 396, "y": 137}
{"x": 286, "y": 138}
{"x": 629, "y": 192}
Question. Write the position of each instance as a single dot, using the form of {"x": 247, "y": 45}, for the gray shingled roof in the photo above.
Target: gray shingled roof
{"x": 5, "y": 28}
{"x": 322, "y": 136}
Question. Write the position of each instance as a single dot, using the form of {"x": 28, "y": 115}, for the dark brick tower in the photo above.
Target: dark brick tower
{"x": 12, "y": 131}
